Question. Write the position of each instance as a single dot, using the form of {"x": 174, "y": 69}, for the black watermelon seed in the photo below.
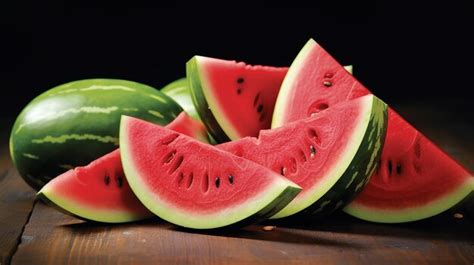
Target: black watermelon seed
{"x": 327, "y": 83}
{"x": 312, "y": 150}
{"x": 255, "y": 100}
{"x": 218, "y": 182}
{"x": 231, "y": 179}
{"x": 107, "y": 180}
{"x": 398, "y": 168}
{"x": 389, "y": 167}
{"x": 260, "y": 108}
{"x": 240, "y": 80}
{"x": 119, "y": 182}
{"x": 239, "y": 91}
{"x": 323, "y": 106}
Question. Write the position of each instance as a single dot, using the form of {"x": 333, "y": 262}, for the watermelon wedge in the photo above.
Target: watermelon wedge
{"x": 330, "y": 155}
{"x": 196, "y": 185}
{"x": 99, "y": 191}
{"x": 233, "y": 99}
{"x": 422, "y": 181}
{"x": 402, "y": 174}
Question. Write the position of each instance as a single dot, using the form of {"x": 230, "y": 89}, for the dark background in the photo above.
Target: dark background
{"x": 403, "y": 53}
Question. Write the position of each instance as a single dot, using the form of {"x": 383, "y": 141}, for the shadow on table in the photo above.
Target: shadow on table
{"x": 443, "y": 226}
{"x": 284, "y": 235}
{"x": 318, "y": 232}
{"x": 250, "y": 232}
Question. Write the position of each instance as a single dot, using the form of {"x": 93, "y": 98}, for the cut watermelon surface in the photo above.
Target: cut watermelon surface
{"x": 196, "y": 185}
{"x": 422, "y": 180}
{"x": 232, "y": 98}
{"x": 99, "y": 191}
{"x": 330, "y": 155}
{"x": 415, "y": 179}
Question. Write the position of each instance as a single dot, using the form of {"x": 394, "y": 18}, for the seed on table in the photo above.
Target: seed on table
{"x": 458, "y": 215}
{"x": 269, "y": 228}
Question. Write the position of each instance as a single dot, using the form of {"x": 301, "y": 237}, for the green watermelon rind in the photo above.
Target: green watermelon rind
{"x": 37, "y": 162}
{"x": 179, "y": 91}
{"x": 349, "y": 68}
{"x": 84, "y": 212}
{"x": 202, "y": 99}
{"x": 346, "y": 179}
{"x": 270, "y": 201}
{"x": 415, "y": 213}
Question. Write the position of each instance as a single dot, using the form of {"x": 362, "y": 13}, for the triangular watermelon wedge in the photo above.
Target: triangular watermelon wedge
{"x": 232, "y": 98}
{"x": 196, "y": 185}
{"x": 330, "y": 155}
{"x": 422, "y": 180}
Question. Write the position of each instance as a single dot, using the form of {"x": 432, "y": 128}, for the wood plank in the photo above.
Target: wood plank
{"x": 51, "y": 237}
{"x": 16, "y": 203}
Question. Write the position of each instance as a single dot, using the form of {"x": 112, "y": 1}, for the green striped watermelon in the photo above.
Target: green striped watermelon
{"x": 179, "y": 91}
{"x": 74, "y": 123}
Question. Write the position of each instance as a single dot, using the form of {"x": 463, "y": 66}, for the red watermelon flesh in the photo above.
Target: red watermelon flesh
{"x": 328, "y": 155}
{"x": 415, "y": 179}
{"x": 196, "y": 185}
{"x": 234, "y": 99}
{"x": 99, "y": 191}
{"x": 316, "y": 81}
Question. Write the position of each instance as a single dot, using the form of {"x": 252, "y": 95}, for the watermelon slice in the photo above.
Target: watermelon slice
{"x": 422, "y": 181}
{"x": 331, "y": 155}
{"x": 404, "y": 174}
{"x": 196, "y": 185}
{"x": 99, "y": 191}
{"x": 233, "y": 99}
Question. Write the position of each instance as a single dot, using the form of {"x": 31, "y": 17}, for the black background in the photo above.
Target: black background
{"x": 401, "y": 52}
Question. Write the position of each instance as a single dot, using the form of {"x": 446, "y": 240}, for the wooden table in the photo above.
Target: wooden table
{"x": 32, "y": 233}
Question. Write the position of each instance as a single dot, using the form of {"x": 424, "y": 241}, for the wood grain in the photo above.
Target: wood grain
{"x": 51, "y": 237}
{"x": 16, "y": 203}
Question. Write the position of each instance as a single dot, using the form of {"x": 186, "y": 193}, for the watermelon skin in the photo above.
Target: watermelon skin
{"x": 85, "y": 193}
{"x": 347, "y": 148}
{"x": 196, "y": 185}
{"x": 179, "y": 91}
{"x": 77, "y": 122}
{"x": 233, "y": 99}
{"x": 316, "y": 81}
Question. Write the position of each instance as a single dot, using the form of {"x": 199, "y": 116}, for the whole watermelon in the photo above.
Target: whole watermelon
{"x": 74, "y": 123}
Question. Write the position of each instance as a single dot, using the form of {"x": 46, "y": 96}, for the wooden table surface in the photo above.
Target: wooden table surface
{"x": 33, "y": 233}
